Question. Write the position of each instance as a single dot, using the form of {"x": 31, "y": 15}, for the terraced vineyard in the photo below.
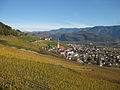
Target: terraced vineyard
{"x": 21, "y": 69}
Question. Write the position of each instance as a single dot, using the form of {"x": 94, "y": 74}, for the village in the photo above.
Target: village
{"x": 90, "y": 54}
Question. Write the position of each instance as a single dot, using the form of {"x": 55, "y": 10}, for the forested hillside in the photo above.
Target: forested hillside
{"x": 7, "y": 30}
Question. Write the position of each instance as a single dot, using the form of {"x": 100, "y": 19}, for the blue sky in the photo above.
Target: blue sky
{"x": 35, "y": 15}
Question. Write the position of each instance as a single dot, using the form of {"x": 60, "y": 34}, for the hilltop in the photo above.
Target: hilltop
{"x": 7, "y": 30}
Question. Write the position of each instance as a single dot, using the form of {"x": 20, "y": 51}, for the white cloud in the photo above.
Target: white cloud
{"x": 78, "y": 25}
{"x": 41, "y": 27}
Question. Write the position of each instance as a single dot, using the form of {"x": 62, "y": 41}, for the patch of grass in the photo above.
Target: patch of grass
{"x": 29, "y": 38}
{"x": 46, "y": 43}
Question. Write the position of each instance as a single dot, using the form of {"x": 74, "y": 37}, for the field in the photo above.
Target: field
{"x": 21, "y": 69}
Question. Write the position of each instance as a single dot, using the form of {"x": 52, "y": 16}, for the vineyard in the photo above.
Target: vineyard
{"x": 23, "y": 69}
{"x": 27, "y": 43}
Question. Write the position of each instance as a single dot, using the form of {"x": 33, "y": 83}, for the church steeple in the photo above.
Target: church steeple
{"x": 58, "y": 45}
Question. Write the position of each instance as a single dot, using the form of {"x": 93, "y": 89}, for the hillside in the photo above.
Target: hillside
{"x": 18, "y": 39}
{"x": 7, "y": 30}
{"x": 67, "y": 30}
{"x": 82, "y": 36}
{"x": 29, "y": 43}
{"x": 85, "y": 37}
{"x": 24, "y": 64}
{"x": 111, "y": 31}
{"x": 97, "y": 34}
{"x": 21, "y": 69}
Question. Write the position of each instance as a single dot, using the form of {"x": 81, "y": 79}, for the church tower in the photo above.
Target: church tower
{"x": 58, "y": 45}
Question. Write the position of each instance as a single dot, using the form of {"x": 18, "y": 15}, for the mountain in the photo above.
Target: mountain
{"x": 102, "y": 34}
{"x": 66, "y": 30}
{"x": 81, "y": 36}
{"x": 41, "y": 34}
{"x": 112, "y": 31}
{"x": 56, "y": 31}
{"x": 85, "y": 37}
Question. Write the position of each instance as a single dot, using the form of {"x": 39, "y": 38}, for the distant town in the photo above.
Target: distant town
{"x": 90, "y": 54}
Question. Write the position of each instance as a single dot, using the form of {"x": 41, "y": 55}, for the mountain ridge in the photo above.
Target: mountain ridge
{"x": 95, "y": 30}
{"x": 110, "y": 34}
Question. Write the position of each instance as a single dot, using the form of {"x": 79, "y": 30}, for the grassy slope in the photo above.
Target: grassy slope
{"x": 29, "y": 70}
{"x": 29, "y": 38}
{"x": 17, "y": 42}
{"x": 25, "y": 42}
{"x": 52, "y": 43}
